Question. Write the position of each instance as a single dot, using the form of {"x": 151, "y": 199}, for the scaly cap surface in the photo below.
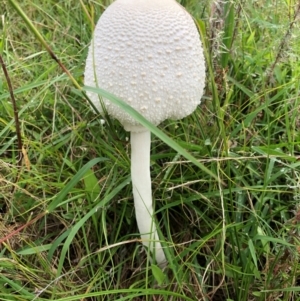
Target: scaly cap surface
{"x": 148, "y": 53}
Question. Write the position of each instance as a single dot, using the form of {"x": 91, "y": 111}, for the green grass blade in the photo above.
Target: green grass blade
{"x": 81, "y": 222}
{"x": 147, "y": 124}
{"x": 228, "y": 32}
{"x": 79, "y": 175}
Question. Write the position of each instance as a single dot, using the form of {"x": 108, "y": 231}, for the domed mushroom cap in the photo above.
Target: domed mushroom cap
{"x": 149, "y": 54}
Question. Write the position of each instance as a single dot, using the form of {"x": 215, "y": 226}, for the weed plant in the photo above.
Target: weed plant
{"x": 67, "y": 224}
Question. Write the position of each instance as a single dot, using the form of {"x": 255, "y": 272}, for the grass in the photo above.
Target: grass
{"x": 232, "y": 239}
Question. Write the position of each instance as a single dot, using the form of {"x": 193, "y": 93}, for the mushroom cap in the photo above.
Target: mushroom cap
{"x": 148, "y": 53}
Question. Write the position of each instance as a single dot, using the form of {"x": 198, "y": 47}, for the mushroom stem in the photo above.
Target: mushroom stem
{"x": 142, "y": 193}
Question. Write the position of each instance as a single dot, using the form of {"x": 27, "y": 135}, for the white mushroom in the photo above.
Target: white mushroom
{"x": 148, "y": 53}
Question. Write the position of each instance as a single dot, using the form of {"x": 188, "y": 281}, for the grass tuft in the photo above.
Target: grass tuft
{"x": 67, "y": 226}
